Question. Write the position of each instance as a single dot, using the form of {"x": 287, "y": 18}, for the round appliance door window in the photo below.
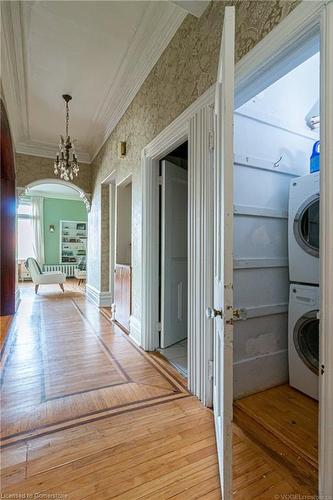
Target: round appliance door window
{"x": 306, "y": 226}
{"x": 306, "y": 340}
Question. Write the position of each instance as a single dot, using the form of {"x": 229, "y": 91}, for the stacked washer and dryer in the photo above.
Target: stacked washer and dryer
{"x": 303, "y": 242}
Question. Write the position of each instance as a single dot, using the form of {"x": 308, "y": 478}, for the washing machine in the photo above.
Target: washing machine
{"x": 303, "y": 339}
{"x": 303, "y": 229}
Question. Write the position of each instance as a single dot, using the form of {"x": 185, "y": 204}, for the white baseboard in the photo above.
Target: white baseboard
{"x": 101, "y": 299}
{"x": 135, "y": 330}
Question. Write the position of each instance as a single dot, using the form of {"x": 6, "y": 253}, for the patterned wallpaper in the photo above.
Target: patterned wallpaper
{"x": 185, "y": 70}
{"x": 33, "y": 168}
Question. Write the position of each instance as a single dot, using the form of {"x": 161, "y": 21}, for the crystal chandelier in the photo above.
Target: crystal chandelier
{"x": 65, "y": 165}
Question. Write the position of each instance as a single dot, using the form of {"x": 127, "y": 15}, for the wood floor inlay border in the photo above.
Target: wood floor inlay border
{"x": 163, "y": 369}
{"x": 177, "y": 388}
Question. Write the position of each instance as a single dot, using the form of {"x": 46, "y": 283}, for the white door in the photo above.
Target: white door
{"x": 326, "y": 252}
{"x": 222, "y": 312}
{"x": 174, "y": 254}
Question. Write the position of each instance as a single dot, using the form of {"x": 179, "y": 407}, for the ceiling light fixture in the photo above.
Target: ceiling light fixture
{"x": 65, "y": 165}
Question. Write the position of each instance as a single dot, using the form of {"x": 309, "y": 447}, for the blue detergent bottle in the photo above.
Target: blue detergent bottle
{"x": 315, "y": 158}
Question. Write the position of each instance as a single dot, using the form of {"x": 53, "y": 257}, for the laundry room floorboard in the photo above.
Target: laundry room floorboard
{"x": 285, "y": 422}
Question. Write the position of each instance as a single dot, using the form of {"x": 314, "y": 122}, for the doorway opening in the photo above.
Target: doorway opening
{"x": 276, "y": 267}
{"x": 122, "y": 307}
{"x": 173, "y": 257}
{"x": 52, "y": 232}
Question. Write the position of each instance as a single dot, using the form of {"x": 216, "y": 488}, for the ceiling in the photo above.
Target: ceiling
{"x": 100, "y": 52}
{"x": 52, "y": 190}
{"x": 292, "y": 100}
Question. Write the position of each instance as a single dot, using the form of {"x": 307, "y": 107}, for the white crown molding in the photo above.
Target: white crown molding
{"x": 158, "y": 26}
{"x": 14, "y": 81}
{"x": 46, "y": 150}
{"x": 194, "y": 7}
{"x": 139, "y": 61}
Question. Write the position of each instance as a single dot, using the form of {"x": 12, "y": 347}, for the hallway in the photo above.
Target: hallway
{"x": 87, "y": 414}
{"x": 70, "y": 387}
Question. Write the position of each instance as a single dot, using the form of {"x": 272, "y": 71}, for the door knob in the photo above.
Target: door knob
{"x": 212, "y": 313}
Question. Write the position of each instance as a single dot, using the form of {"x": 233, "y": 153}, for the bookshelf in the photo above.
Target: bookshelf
{"x": 73, "y": 241}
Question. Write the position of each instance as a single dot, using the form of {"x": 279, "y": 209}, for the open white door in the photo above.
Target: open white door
{"x": 174, "y": 254}
{"x": 326, "y": 252}
{"x": 222, "y": 312}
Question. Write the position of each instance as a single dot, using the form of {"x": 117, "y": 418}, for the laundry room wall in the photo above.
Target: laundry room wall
{"x": 267, "y": 157}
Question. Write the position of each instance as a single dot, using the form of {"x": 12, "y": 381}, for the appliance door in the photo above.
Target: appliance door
{"x": 306, "y": 340}
{"x": 306, "y": 226}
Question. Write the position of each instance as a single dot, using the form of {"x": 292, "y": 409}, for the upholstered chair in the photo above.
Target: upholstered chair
{"x": 44, "y": 278}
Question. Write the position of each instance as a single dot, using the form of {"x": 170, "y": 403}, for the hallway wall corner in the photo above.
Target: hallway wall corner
{"x": 100, "y": 299}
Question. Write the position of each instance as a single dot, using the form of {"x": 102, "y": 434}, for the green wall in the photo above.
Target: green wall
{"x": 56, "y": 210}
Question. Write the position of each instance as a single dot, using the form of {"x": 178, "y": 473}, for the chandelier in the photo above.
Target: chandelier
{"x": 66, "y": 163}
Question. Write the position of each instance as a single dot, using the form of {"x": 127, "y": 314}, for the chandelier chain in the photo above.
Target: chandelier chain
{"x": 67, "y": 118}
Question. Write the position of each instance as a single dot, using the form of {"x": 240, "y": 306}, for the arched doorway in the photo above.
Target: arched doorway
{"x": 58, "y": 182}
{"x": 52, "y": 227}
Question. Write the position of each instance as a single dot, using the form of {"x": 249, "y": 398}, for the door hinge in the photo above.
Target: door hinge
{"x": 210, "y": 369}
{"x": 240, "y": 313}
{"x": 159, "y": 326}
{"x": 211, "y": 140}
{"x": 160, "y": 180}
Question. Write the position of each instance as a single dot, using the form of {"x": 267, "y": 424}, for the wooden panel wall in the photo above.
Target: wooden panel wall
{"x": 261, "y": 279}
{"x": 122, "y": 294}
{"x": 8, "y": 214}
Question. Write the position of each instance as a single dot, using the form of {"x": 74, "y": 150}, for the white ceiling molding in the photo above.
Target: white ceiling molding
{"x": 140, "y": 60}
{"x": 154, "y": 32}
{"x": 194, "y": 7}
{"x": 14, "y": 82}
{"x": 34, "y": 148}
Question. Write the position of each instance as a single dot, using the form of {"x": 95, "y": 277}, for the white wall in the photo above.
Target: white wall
{"x": 124, "y": 224}
{"x": 261, "y": 248}
{"x": 291, "y": 99}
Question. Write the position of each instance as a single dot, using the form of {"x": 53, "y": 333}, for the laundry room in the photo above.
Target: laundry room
{"x": 276, "y": 264}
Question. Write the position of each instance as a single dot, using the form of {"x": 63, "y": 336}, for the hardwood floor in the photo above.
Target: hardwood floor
{"x": 285, "y": 422}
{"x": 5, "y": 322}
{"x": 87, "y": 414}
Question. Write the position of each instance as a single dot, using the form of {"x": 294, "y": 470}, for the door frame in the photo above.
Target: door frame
{"x": 125, "y": 181}
{"x": 268, "y": 61}
{"x": 182, "y": 177}
{"x": 265, "y": 63}
{"x": 195, "y": 125}
{"x": 110, "y": 182}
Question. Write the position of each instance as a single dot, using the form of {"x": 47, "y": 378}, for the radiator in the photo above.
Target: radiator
{"x": 67, "y": 269}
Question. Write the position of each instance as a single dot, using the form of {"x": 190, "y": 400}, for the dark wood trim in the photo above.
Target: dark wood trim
{"x": 8, "y": 218}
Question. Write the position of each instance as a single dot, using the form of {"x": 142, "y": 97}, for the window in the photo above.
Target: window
{"x": 24, "y": 230}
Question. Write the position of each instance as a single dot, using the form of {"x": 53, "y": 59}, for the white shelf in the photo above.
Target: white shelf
{"x": 73, "y": 236}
